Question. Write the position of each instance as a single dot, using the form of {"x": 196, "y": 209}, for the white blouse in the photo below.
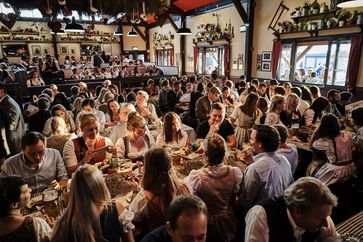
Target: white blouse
{"x": 133, "y": 151}
{"x": 160, "y": 142}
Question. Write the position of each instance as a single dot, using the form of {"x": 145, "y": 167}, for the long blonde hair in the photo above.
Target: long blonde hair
{"x": 81, "y": 219}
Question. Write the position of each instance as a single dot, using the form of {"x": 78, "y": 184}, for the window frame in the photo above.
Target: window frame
{"x": 330, "y": 39}
{"x": 203, "y": 49}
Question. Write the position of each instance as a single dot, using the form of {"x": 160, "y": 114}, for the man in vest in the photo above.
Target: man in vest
{"x": 302, "y": 214}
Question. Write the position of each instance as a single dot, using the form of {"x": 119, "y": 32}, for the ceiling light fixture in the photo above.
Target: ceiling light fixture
{"x": 132, "y": 33}
{"x": 118, "y": 32}
{"x": 351, "y": 4}
{"x": 183, "y": 30}
{"x": 60, "y": 32}
{"x": 74, "y": 27}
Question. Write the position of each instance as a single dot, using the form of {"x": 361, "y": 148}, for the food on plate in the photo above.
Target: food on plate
{"x": 50, "y": 195}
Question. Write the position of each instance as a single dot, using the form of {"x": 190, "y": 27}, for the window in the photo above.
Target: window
{"x": 163, "y": 57}
{"x": 316, "y": 62}
{"x": 210, "y": 59}
{"x": 30, "y": 13}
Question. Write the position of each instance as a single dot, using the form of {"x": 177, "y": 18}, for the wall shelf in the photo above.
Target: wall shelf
{"x": 316, "y": 32}
{"x": 89, "y": 34}
{"x": 21, "y": 33}
{"x": 330, "y": 13}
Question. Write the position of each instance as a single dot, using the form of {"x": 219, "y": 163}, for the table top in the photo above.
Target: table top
{"x": 353, "y": 226}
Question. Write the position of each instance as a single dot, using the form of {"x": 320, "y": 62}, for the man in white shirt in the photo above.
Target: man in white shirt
{"x": 301, "y": 214}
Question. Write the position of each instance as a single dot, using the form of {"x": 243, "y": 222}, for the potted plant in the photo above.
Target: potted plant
{"x": 313, "y": 25}
{"x": 305, "y": 9}
{"x": 324, "y": 7}
{"x": 297, "y": 12}
{"x": 315, "y": 7}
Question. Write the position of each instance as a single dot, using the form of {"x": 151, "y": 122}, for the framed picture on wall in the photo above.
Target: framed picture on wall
{"x": 36, "y": 50}
{"x": 266, "y": 66}
{"x": 64, "y": 50}
{"x": 258, "y": 67}
{"x": 266, "y": 55}
{"x": 73, "y": 51}
{"x": 45, "y": 51}
{"x": 259, "y": 58}
{"x": 235, "y": 64}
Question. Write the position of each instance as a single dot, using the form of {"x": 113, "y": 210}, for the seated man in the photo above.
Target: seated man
{"x": 217, "y": 124}
{"x": 203, "y": 104}
{"x": 187, "y": 221}
{"x": 269, "y": 174}
{"x": 301, "y": 214}
{"x": 41, "y": 167}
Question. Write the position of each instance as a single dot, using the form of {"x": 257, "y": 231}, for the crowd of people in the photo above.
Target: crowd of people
{"x": 47, "y": 70}
{"x": 64, "y": 135}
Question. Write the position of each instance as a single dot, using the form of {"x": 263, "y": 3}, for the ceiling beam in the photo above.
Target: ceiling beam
{"x": 175, "y": 27}
{"x": 136, "y": 27}
{"x": 142, "y": 35}
{"x": 241, "y": 10}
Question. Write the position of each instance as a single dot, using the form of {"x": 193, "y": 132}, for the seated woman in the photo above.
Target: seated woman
{"x": 277, "y": 106}
{"x": 317, "y": 109}
{"x": 337, "y": 146}
{"x": 90, "y": 214}
{"x": 34, "y": 80}
{"x": 227, "y": 100}
{"x": 151, "y": 88}
{"x": 113, "y": 113}
{"x": 247, "y": 115}
{"x": 59, "y": 135}
{"x": 217, "y": 185}
{"x": 172, "y": 135}
{"x": 159, "y": 186}
{"x": 14, "y": 196}
{"x": 147, "y": 110}
{"x": 291, "y": 116}
{"x": 88, "y": 148}
{"x": 59, "y": 111}
{"x": 135, "y": 144}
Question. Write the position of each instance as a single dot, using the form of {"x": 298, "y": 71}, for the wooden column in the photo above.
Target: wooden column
{"x": 249, "y": 38}
{"x": 147, "y": 44}
{"x": 182, "y": 46}
{"x": 54, "y": 40}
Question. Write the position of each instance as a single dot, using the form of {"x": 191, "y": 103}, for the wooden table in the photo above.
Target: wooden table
{"x": 353, "y": 226}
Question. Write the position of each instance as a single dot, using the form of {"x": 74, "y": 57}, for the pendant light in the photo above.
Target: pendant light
{"x": 118, "y": 32}
{"x": 183, "y": 30}
{"x": 60, "y": 32}
{"x": 351, "y": 4}
{"x": 74, "y": 27}
{"x": 132, "y": 33}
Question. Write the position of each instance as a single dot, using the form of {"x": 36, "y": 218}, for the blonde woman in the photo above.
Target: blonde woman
{"x": 159, "y": 186}
{"x": 59, "y": 110}
{"x": 147, "y": 110}
{"x": 135, "y": 144}
{"x": 59, "y": 135}
{"x": 88, "y": 148}
{"x": 291, "y": 116}
{"x": 91, "y": 216}
{"x": 277, "y": 106}
{"x": 172, "y": 135}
